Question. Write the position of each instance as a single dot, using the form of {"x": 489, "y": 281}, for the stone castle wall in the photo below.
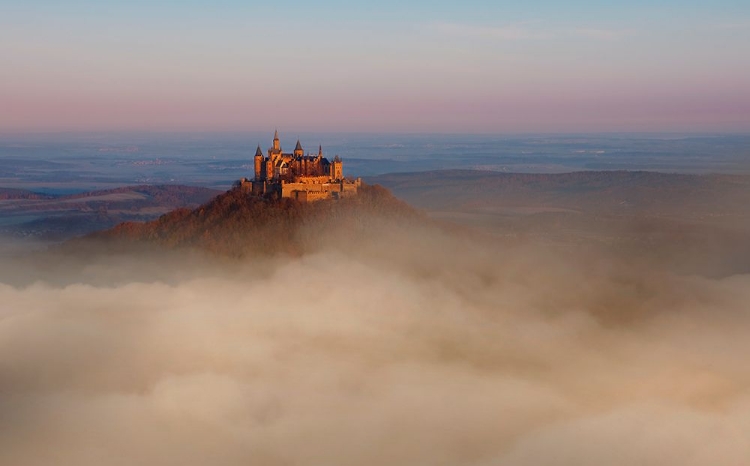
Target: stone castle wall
{"x": 315, "y": 191}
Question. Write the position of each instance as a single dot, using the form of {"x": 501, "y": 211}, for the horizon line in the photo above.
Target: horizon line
{"x": 12, "y": 133}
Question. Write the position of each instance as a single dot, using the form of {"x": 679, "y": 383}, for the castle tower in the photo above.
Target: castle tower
{"x": 258, "y": 164}
{"x": 320, "y": 151}
{"x": 269, "y": 170}
{"x": 298, "y": 152}
{"x": 276, "y": 143}
{"x": 337, "y": 172}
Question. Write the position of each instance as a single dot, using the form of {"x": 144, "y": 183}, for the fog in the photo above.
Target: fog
{"x": 400, "y": 348}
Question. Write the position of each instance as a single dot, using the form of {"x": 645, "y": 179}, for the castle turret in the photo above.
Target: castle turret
{"x": 258, "y": 164}
{"x": 298, "y": 152}
{"x": 320, "y": 152}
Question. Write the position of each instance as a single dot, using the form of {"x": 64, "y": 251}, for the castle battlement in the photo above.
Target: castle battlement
{"x": 298, "y": 176}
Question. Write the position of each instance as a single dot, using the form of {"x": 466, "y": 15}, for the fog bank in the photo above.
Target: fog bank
{"x": 403, "y": 348}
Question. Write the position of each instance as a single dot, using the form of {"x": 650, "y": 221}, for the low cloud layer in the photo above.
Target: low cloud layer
{"x": 433, "y": 350}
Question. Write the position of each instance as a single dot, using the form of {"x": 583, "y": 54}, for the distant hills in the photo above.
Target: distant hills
{"x": 603, "y": 192}
{"x": 697, "y": 222}
{"x": 17, "y": 194}
{"x": 35, "y": 215}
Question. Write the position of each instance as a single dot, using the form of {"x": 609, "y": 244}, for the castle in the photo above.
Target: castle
{"x": 298, "y": 176}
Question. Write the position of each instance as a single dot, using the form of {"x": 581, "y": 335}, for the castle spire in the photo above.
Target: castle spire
{"x": 320, "y": 150}
{"x": 258, "y": 152}
{"x": 298, "y": 146}
{"x": 276, "y": 144}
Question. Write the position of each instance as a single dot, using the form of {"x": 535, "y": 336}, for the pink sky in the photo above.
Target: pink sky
{"x": 418, "y": 74}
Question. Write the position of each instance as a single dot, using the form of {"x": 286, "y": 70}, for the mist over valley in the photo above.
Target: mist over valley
{"x": 456, "y": 317}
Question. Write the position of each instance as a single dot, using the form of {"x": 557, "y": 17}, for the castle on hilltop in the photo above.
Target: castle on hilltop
{"x": 298, "y": 176}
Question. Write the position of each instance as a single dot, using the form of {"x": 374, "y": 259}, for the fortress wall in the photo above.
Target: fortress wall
{"x": 311, "y": 187}
{"x": 317, "y": 191}
{"x": 287, "y": 189}
{"x": 310, "y": 196}
{"x": 314, "y": 179}
{"x": 308, "y": 192}
{"x": 303, "y": 191}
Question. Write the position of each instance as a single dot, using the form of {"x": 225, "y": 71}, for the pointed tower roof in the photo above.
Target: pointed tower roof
{"x": 320, "y": 149}
{"x": 276, "y": 135}
{"x": 258, "y": 152}
{"x": 298, "y": 146}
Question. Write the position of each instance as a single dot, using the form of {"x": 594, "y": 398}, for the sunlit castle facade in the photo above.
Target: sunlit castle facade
{"x": 298, "y": 176}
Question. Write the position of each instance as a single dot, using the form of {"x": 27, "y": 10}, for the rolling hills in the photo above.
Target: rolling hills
{"x": 28, "y": 214}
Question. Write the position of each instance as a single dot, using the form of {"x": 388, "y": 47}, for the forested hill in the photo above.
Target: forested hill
{"x": 237, "y": 224}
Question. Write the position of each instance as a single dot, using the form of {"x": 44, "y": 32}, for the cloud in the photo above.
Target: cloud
{"x": 407, "y": 347}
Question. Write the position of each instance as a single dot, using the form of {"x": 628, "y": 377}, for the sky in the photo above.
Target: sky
{"x": 388, "y": 66}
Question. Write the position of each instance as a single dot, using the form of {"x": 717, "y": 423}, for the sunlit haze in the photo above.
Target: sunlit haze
{"x": 385, "y": 233}
{"x": 473, "y": 66}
